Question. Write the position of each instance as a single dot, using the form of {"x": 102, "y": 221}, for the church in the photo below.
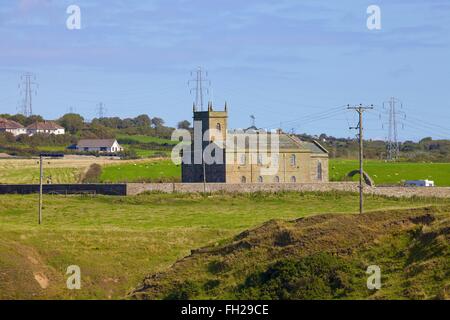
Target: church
{"x": 296, "y": 161}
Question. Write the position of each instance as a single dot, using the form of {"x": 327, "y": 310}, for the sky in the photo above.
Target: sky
{"x": 294, "y": 64}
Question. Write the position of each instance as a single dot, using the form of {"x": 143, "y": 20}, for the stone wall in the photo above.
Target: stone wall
{"x": 106, "y": 189}
{"x": 437, "y": 192}
{"x": 137, "y": 188}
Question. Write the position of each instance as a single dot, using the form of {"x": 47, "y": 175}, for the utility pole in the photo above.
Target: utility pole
{"x": 200, "y": 81}
{"x": 360, "y": 109}
{"x": 28, "y": 87}
{"x": 41, "y": 176}
{"x": 204, "y": 174}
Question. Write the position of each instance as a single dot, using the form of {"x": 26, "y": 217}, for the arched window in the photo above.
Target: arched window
{"x": 276, "y": 179}
{"x": 260, "y": 159}
{"x": 243, "y": 179}
{"x": 242, "y": 160}
{"x": 260, "y": 179}
{"x": 293, "y": 179}
{"x": 319, "y": 171}
{"x": 293, "y": 160}
{"x": 218, "y": 127}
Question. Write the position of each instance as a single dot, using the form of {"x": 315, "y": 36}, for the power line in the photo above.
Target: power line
{"x": 27, "y": 87}
{"x": 200, "y": 80}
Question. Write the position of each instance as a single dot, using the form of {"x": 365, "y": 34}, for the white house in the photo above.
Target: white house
{"x": 419, "y": 183}
{"x": 12, "y": 127}
{"x": 99, "y": 145}
{"x": 46, "y": 127}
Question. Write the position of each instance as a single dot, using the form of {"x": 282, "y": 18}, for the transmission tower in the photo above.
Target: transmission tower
{"x": 393, "y": 112}
{"x": 201, "y": 84}
{"x": 101, "y": 110}
{"x": 27, "y": 88}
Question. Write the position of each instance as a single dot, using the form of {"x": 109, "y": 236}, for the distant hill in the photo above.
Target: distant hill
{"x": 319, "y": 257}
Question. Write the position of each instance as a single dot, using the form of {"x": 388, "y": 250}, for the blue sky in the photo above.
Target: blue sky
{"x": 284, "y": 61}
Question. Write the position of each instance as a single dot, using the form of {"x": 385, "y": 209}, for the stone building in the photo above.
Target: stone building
{"x": 288, "y": 159}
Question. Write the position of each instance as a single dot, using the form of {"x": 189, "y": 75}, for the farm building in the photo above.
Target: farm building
{"x": 12, "y": 127}
{"x": 46, "y": 127}
{"x": 99, "y": 145}
{"x": 296, "y": 160}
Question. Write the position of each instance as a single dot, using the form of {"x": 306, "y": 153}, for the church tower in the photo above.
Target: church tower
{"x": 212, "y": 119}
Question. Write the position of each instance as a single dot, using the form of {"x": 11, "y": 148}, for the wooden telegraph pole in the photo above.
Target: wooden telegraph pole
{"x": 41, "y": 177}
{"x": 360, "y": 109}
{"x": 41, "y": 174}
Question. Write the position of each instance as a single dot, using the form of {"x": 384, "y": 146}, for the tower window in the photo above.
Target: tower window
{"x": 243, "y": 179}
{"x": 260, "y": 159}
{"x": 242, "y": 160}
{"x": 293, "y": 179}
{"x": 260, "y": 179}
{"x": 276, "y": 179}
{"x": 218, "y": 127}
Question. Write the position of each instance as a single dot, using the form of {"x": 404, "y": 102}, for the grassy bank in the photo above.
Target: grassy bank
{"x": 116, "y": 241}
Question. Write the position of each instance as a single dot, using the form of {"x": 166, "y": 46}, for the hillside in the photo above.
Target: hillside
{"x": 117, "y": 241}
{"x": 319, "y": 257}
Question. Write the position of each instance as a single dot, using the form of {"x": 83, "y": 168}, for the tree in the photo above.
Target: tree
{"x": 72, "y": 122}
{"x": 33, "y": 119}
{"x": 143, "y": 120}
{"x": 184, "y": 125}
{"x": 157, "y": 123}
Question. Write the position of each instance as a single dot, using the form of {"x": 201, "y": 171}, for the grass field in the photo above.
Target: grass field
{"x": 393, "y": 172}
{"x": 116, "y": 241}
{"x": 145, "y": 139}
{"x": 66, "y": 170}
{"x": 150, "y": 171}
{"x": 140, "y": 140}
{"x": 69, "y": 170}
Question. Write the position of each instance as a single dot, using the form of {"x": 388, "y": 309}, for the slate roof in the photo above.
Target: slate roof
{"x": 285, "y": 141}
{"x": 9, "y": 124}
{"x": 46, "y": 125}
{"x": 96, "y": 143}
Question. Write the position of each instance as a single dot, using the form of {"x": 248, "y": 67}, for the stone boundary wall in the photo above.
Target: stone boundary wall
{"x": 398, "y": 192}
{"x": 137, "y": 188}
{"x": 106, "y": 189}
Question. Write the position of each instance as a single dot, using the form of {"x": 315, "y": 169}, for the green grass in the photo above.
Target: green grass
{"x": 144, "y": 153}
{"x": 31, "y": 175}
{"x": 116, "y": 241}
{"x": 146, "y": 139}
{"x": 393, "y": 172}
{"x": 161, "y": 170}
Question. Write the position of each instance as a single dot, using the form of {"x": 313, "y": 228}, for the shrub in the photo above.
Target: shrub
{"x": 185, "y": 291}
{"x": 320, "y": 276}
